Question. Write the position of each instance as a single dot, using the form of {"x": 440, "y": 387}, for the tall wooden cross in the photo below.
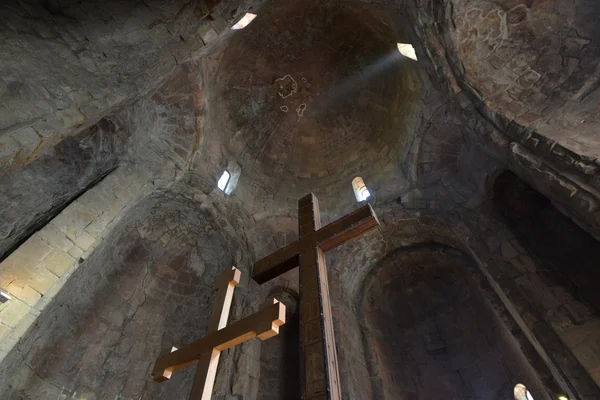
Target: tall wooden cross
{"x": 319, "y": 358}
{"x": 219, "y": 337}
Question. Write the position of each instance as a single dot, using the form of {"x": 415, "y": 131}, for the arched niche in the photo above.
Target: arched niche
{"x": 280, "y": 355}
{"x": 429, "y": 331}
{"x": 150, "y": 286}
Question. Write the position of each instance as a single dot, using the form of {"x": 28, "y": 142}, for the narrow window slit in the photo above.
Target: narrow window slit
{"x": 223, "y": 180}
{"x": 407, "y": 50}
{"x": 360, "y": 189}
{"x": 244, "y": 22}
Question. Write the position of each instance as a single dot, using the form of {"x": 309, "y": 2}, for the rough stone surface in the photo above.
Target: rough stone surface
{"x": 32, "y": 195}
{"x": 431, "y": 335}
{"x": 154, "y": 292}
{"x": 481, "y": 159}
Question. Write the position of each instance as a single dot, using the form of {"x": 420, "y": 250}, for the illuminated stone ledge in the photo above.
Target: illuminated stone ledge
{"x": 34, "y": 273}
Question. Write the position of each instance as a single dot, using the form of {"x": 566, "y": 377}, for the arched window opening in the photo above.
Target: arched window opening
{"x": 244, "y": 22}
{"x": 224, "y": 180}
{"x": 521, "y": 392}
{"x": 407, "y": 50}
{"x": 360, "y": 189}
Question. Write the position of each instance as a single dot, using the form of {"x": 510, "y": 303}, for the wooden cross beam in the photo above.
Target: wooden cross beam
{"x": 219, "y": 337}
{"x": 320, "y": 374}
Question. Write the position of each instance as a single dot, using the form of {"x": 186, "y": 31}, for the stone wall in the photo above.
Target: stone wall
{"x": 147, "y": 287}
{"x": 31, "y": 196}
{"x": 429, "y": 333}
{"x": 539, "y": 307}
{"x": 35, "y": 272}
{"x": 280, "y": 355}
{"x": 66, "y": 65}
{"x": 556, "y": 154}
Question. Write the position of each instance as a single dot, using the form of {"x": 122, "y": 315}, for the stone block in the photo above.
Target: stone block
{"x": 59, "y": 263}
{"x": 22, "y": 263}
{"x": 8, "y": 343}
{"x": 27, "y": 137}
{"x": 8, "y": 148}
{"x": 26, "y": 321}
{"x": 13, "y": 312}
{"x": 93, "y": 201}
{"x": 55, "y": 238}
{"x": 70, "y": 117}
{"x": 42, "y": 280}
{"x": 84, "y": 241}
{"x": 24, "y": 293}
{"x": 50, "y": 293}
{"x": 117, "y": 183}
{"x": 4, "y": 331}
{"x": 97, "y": 227}
{"x": 75, "y": 252}
{"x": 34, "y": 249}
{"x": 73, "y": 220}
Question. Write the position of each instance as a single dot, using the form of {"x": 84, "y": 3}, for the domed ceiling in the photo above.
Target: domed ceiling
{"x": 309, "y": 89}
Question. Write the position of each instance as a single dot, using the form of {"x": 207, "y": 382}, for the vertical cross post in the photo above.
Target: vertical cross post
{"x": 320, "y": 365}
{"x": 206, "y": 371}
{"x": 219, "y": 337}
{"x": 321, "y": 376}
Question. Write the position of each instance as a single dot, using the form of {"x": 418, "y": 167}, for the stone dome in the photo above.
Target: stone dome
{"x": 312, "y": 92}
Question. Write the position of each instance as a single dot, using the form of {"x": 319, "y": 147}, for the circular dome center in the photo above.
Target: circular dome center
{"x": 309, "y": 89}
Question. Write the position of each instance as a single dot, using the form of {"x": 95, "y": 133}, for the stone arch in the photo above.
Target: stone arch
{"x": 432, "y": 333}
{"x": 531, "y": 63}
{"x": 149, "y": 287}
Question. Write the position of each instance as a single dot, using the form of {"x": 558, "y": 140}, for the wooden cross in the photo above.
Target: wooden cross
{"x": 319, "y": 358}
{"x": 219, "y": 337}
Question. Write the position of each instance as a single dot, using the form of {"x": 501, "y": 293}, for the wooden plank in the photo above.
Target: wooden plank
{"x": 346, "y": 228}
{"x": 313, "y": 357}
{"x": 329, "y": 237}
{"x": 207, "y": 365}
{"x": 276, "y": 264}
{"x": 331, "y": 360}
{"x": 263, "y": 324}
{"x": 309, "y": 216}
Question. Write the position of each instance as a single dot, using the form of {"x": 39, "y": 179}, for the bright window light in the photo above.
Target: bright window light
{"x": 521, "y": 392}
{"x": 4, "y": 297}
{"x": 407, "y": 50}
{"x": 366, "y": 194}
{"x": 244, "y": 22}
{"x": 360, "y": 190}
{"x": 222, "y": 184}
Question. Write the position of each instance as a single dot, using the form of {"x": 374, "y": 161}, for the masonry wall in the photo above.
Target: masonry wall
{"x": 280, "y": 357}
{"x": 147, "y": 287}
{"x": 36, "y": 271}
{"x": 431, "y": 335}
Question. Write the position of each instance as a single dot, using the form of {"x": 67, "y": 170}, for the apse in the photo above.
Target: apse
{"x": 430, "y": 333}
